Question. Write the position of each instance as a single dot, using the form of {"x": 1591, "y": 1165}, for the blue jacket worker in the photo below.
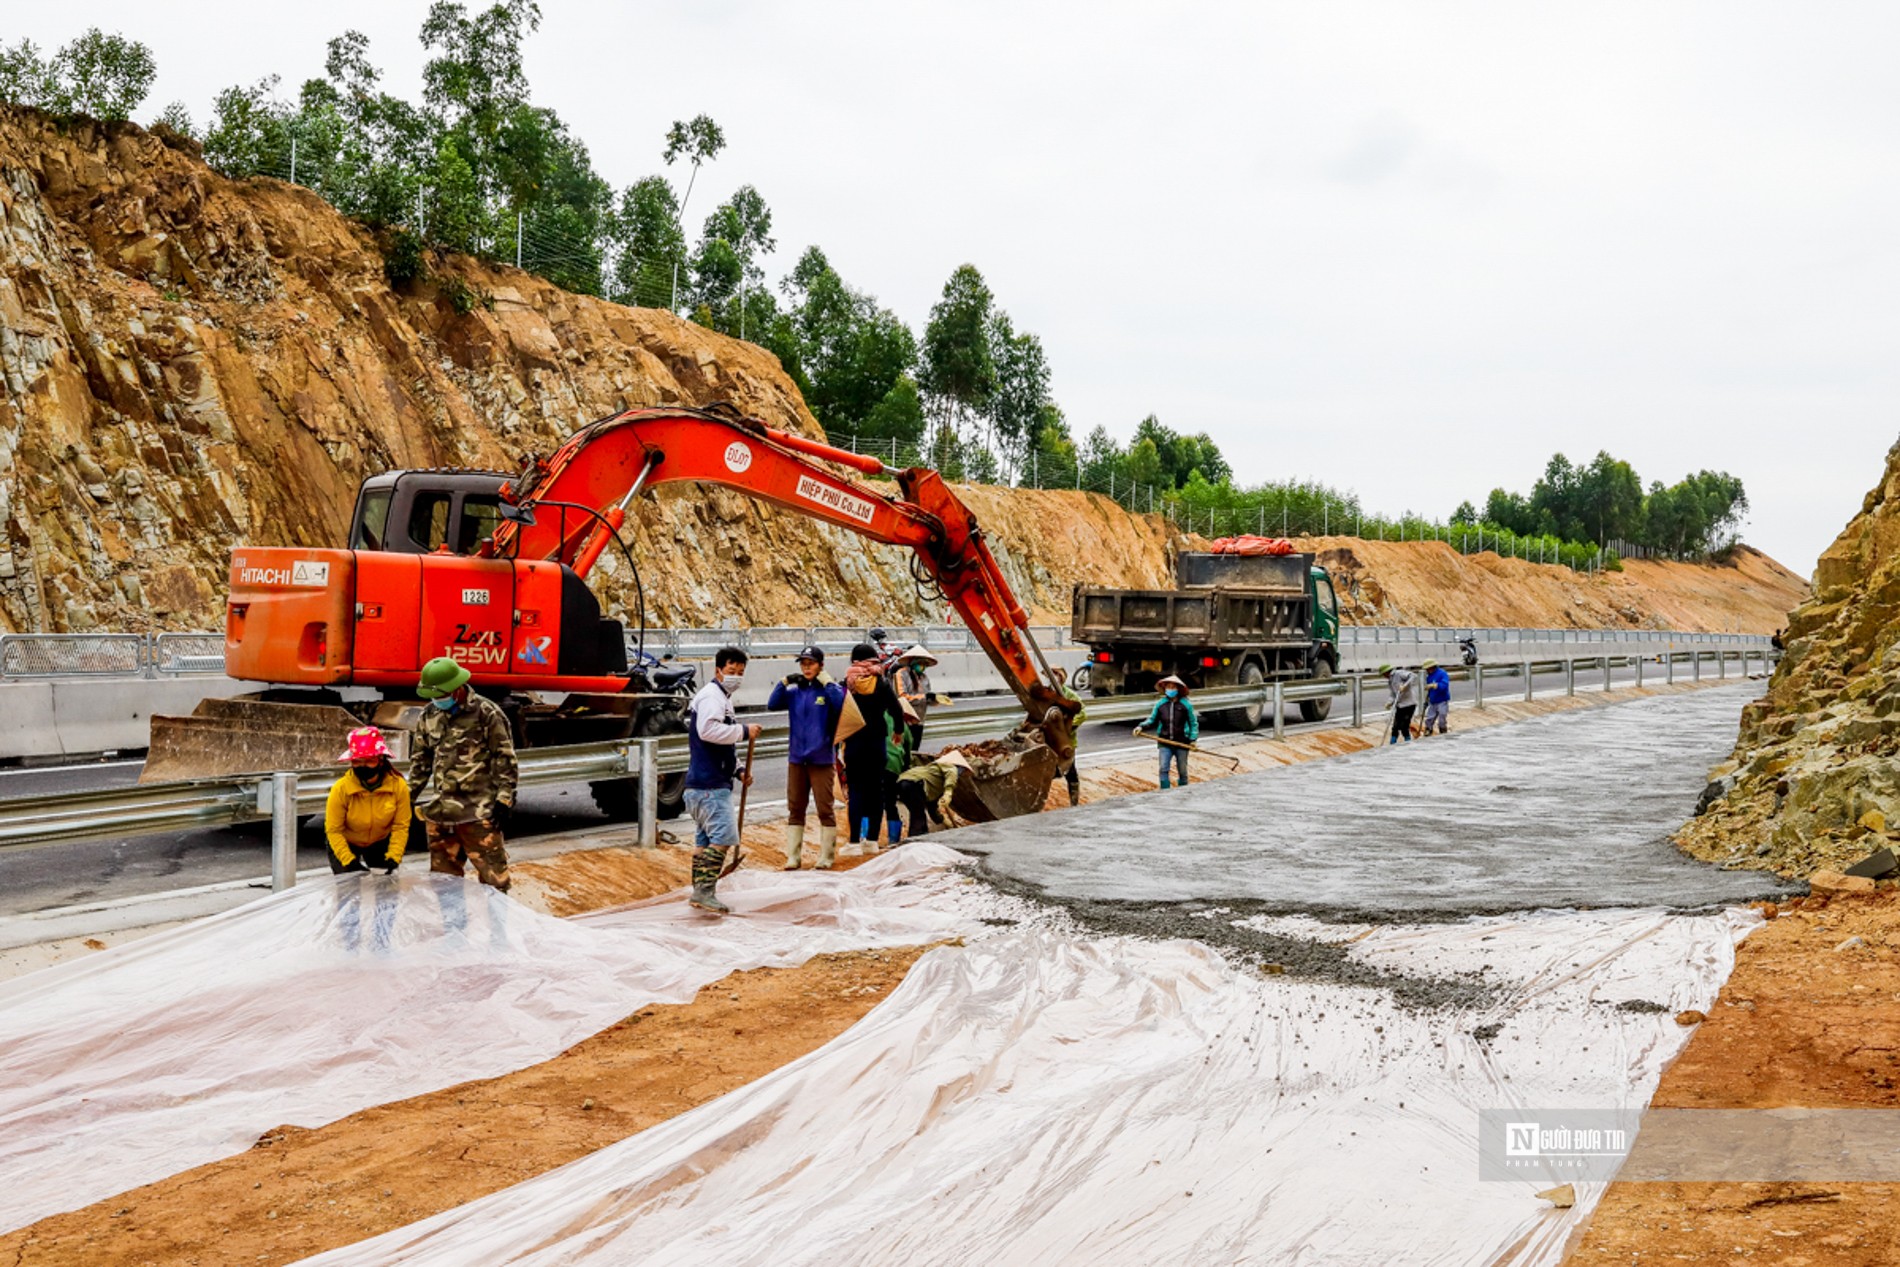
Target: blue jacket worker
{"x": 813, "y": 702}
{"x": 1437, "y": 697}
{"x": 1172, "y": 723}
{"x": 713, "y": 733}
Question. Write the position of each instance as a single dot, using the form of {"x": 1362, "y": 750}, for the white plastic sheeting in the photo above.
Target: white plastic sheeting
{"x": 151, "y": 1058}
{"x": 1041, "y": 1098}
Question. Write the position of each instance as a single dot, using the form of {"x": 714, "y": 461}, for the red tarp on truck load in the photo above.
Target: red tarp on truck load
{"x": 1251, "y": 544}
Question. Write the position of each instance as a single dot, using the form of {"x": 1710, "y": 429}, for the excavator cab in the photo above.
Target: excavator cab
{"x": 422, "y": 512}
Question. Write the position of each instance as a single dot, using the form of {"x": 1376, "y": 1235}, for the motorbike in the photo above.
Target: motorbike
{"x": 1469, "y": 648}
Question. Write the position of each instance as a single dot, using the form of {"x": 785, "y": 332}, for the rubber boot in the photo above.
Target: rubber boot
{"x": 867, "y": 837}
{"x": 706, "y": 864}
{"x": 894, "y": 831}
{"x": 827, "y": 847}
{"x": 794, "y": 846}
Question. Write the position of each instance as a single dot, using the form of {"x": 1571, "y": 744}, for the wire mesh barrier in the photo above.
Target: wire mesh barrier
{"x": 168, "y": 655}
{"x": 72, "y": 655}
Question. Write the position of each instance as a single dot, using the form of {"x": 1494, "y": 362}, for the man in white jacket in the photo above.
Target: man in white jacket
{"x": 713, "y": 733}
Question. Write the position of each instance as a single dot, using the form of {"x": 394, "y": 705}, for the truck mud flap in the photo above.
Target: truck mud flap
{"x": 226, "y": 737}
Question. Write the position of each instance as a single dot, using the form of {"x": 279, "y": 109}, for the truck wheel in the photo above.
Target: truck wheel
{"x": 619, "y": 799}
{"x": 1251, "y": 716}
{"x": 1318, "y": 709}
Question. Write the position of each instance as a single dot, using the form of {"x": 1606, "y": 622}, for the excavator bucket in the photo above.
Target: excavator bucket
{"x": 225, "y": 737}
{"x": 1008, "y": 777}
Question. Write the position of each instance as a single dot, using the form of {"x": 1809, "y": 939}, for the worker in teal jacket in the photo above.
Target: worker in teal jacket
{"x": 1173, "y": 719}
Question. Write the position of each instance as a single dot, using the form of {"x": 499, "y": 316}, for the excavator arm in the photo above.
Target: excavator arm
{"x": 567, "y": 508}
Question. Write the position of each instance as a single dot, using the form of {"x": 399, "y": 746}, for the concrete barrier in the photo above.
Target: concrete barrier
{"x": 77, "y": 717}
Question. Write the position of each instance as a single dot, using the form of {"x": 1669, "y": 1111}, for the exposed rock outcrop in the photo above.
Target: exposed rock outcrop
{"x": 1813, "y": 781}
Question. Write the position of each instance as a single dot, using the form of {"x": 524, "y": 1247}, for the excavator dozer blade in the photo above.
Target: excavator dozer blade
{"x": 1008, "y": 777}
{"x": 226, "y": 737}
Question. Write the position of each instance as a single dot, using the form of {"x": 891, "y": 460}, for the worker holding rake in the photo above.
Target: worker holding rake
{"x": 1173, "y": 725}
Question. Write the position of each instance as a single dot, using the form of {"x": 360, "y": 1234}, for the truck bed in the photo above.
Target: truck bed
{"x": 1228, "y": 618}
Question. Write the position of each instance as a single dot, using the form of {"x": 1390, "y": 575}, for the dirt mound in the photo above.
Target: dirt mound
{"x": 1430, "y": 583}
{"x": 1812, "y": 782}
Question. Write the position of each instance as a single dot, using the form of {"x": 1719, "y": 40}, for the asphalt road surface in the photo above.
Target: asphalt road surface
{"x": 70, "y": 874}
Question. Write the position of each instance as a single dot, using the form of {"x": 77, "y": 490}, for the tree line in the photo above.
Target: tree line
{"x": 1604, "y": 501}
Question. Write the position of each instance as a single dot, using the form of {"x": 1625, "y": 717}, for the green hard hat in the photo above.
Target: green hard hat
{"x": 442, "y": 676}
{"x": 1384, "y": 668}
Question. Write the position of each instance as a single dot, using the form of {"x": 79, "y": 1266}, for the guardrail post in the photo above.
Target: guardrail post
{"x": 1695, "y": 659}
{"x": 1570, "y": 677}
{"x": 1358, "y": 701}
{"x": 1639, "y": 671}
{"x": 1530, "y": 682}
{"x": 1721, "y": 662}
{"x": 1669, "y": 661}
{"x": 1278, "y": 705}
{"x": 1606, "y": 673}
{"x": 649, "y": 792}
{"x": 1477, "y": 684}
{"x": 283, "y": 831}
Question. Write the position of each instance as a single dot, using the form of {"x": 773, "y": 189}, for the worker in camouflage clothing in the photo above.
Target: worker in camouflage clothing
{"x": 462, "y": 767}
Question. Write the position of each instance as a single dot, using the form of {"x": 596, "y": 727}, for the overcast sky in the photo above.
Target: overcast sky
{"x": 1408, "y": 248}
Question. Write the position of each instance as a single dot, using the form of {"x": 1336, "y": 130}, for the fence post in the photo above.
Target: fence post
{"x": 1669, "y": 660}
{"x": 1639, "y": 671}
{"x": 1695, "y": 659}
{"x": 283, "y": 831}
{"x": 1570, "y": 676}
{"x": 1358, "y": 701}
{"x": 1606, "y": 673}
{"x": 1530, "y": 682}
{"x": 649, "y": 792}
{"x": 1477, "y": 684}
{"x": 1279, "y": 709}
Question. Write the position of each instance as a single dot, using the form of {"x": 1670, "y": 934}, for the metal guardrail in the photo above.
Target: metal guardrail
{"x": 285, "y": 797}
{"x": 33, "y": 657}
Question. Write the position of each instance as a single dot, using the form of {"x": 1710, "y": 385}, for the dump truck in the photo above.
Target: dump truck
{"x": 491, "y": 570}
{"x": 1233, "y": 620}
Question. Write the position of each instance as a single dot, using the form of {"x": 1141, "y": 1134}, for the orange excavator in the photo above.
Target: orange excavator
{"x": 491, "y": 570}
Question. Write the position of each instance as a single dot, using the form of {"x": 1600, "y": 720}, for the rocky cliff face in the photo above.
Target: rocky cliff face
{"x": 1813, "y": 780}
{"x": 191, "y": 362}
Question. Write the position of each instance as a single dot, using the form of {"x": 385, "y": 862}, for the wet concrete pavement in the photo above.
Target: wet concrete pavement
{"x": 1571, "y": 810}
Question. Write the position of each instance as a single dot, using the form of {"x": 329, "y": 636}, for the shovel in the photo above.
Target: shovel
{"x": 1186, "y": 747}
{"x": 737, "y": 855}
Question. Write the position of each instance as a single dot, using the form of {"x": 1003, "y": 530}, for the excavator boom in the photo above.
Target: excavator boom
{"x": 604, "y": 464}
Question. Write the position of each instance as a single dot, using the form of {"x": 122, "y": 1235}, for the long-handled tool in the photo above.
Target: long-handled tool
{"x": 1186, "y": 747}
{"x": 737, "y": 855}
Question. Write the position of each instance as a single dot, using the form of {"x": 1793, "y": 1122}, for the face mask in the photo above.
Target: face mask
{"x": 731, "y": 681}
{"x": 446, "y": 703}
{"x": 1172, "y": 693}
{"x": 369, "y": 776}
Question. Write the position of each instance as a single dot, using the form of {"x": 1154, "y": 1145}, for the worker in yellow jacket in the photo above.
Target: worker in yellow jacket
{"x": 367, "y": 815}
